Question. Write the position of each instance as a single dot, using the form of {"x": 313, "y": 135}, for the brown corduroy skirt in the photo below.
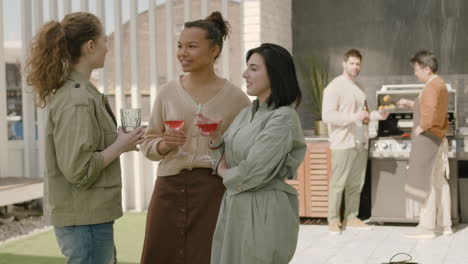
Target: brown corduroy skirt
{"x": 182, "y": 217}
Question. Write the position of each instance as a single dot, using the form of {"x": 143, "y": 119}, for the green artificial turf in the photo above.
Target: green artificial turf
{"x": 42, "y": 248}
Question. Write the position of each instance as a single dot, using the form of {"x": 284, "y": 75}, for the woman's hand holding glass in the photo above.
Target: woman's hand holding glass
{"x": 124, "y": 142}
{"x": 128, "y": 141}
{"x": 174, "y": 136}
{"x": 131, "y": 133}
{"x": 172, "y": 139}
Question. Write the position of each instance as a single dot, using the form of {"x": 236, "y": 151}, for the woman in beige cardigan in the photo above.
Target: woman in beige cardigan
{"x": 185, "y": 203}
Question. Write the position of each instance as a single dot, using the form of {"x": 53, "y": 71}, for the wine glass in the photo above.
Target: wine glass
{"x": 207, "y": 123}
{"x": 175, "y": 122}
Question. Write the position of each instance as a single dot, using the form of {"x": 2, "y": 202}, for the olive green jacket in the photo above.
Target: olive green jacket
{"x": 78, "y": 189}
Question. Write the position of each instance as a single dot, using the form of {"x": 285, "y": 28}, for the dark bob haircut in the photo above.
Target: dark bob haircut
{"x": 425, "y": 58}
{"x": 281, "y": 71}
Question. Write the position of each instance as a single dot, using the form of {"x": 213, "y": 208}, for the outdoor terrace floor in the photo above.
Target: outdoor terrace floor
{"x": 315, "y": 246}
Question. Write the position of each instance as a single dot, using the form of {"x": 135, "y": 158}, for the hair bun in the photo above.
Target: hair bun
{"x": 217, "y": 18}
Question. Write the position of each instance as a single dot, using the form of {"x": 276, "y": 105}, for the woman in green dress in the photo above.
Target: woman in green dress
{"x": 259, "y": 217}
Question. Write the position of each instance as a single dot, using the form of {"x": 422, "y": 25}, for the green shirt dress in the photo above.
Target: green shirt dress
{"x": 258, "y": 220}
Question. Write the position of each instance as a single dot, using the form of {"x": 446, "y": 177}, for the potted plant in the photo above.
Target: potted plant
{"x": 317, "y": 78}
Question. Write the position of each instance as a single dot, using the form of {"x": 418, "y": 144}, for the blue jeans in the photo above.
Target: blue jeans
{"x": 87, "y": 244}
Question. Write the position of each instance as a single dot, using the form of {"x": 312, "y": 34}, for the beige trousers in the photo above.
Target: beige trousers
{"x": 435, "y": 211}
{"x": 348, "y": 174}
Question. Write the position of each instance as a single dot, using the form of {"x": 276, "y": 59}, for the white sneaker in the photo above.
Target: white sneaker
{"x": 445, "y": 231}
{"x": 421, "y": 233}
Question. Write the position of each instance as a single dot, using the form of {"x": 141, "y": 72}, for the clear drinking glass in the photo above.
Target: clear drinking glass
{"x": 207, "y": 123}
{"x": 130, "y": 118}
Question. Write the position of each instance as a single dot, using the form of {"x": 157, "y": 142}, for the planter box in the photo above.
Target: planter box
{"x": 312, "y": 181}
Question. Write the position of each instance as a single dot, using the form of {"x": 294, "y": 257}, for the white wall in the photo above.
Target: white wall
{"x": 267, "y": 21}
{"x": 275, "y": 19}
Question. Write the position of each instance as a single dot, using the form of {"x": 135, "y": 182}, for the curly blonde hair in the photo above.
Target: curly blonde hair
{"x": 55, "y": 48}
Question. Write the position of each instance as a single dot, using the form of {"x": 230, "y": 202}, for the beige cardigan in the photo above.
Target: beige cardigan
{"x": 172, "y": 99}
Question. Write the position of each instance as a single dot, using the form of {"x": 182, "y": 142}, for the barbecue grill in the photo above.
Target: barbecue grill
{"x": 389, "y": 154}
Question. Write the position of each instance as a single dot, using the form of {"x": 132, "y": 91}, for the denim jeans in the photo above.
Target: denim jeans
{"x": 87, "y": 244}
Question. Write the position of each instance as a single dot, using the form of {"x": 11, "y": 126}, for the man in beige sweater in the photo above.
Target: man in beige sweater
{"x": 343, "y": 110}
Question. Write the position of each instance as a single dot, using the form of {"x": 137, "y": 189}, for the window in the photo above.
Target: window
{"x": 14, "y": 104}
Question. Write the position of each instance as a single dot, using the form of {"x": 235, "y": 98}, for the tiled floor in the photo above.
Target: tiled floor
{"x": 317, "y": 246}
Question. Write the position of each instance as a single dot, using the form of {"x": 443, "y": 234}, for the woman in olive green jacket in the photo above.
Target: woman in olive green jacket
{"x": 83, "y": 184}
{"x": 259, "y": 217}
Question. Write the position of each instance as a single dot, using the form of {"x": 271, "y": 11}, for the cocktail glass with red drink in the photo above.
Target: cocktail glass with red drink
{"x": 207, "y": 123}
{"x": 175, "y": 122}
